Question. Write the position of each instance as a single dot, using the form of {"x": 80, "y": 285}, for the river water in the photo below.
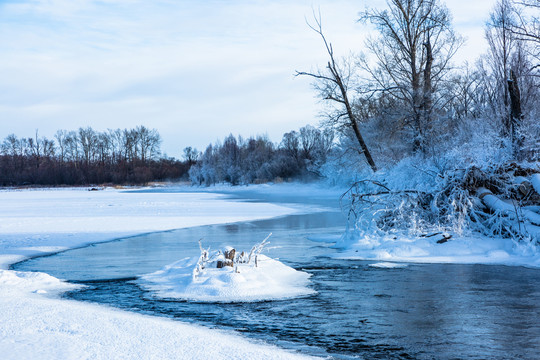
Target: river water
{"x": 420, "y": 311}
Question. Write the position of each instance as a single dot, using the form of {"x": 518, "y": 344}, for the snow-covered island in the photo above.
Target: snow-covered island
{"x": 228, "y": 276}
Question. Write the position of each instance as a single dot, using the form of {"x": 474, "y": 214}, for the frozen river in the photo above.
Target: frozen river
{"x": 360, "y": 310}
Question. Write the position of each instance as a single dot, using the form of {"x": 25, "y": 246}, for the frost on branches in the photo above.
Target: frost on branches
{"x": 498, "y": 201}
{"x": 228, "y": 257}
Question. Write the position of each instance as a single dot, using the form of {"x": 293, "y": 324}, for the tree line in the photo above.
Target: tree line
{"x": 300, "y": 155}
{"x": 401, "y": 96}
{"x": 133, "y": 156}
{"x": 87, "y": 156}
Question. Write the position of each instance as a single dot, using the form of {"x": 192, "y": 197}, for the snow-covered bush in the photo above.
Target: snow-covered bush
{"x": 422, "y": 197}
{"x": 228, "y": 257}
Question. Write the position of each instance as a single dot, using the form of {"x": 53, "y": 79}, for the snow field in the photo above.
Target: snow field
{"x": 36, "y": 327}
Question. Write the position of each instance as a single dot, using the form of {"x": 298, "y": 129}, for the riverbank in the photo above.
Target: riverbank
{"x": 36, "y": 324}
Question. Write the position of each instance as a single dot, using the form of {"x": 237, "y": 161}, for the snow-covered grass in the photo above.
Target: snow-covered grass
{"x": 269, "y": 280}
{"x": 35, "y": 324}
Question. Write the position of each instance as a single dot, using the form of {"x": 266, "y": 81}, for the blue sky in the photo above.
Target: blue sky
{"x": 194, "y": 70}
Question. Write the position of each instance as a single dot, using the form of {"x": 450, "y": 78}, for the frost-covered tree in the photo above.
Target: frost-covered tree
{"x": 510, "y": 77}
{"x": 300, "y": 154}
{"x": 409, "y": 60}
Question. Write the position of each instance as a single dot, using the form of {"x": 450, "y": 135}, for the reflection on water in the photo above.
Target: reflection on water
{"x": 415, "y": 312}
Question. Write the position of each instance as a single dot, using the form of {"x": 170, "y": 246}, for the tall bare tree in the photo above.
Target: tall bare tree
{"x": 410, "y": 58}
{"x": 512, "y": 46}
{"x": 333, "y": 84}
{"x": 502, "y": 44}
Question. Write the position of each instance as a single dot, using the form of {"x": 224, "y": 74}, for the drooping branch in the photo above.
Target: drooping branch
{"x": 334, "y": 85}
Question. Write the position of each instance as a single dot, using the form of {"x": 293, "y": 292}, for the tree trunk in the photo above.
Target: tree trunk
{"x": 514, "y": 212}
{"x": 354, "y": 123}
{"x": 515, "y": 114}
{"x": 427, "y": 90}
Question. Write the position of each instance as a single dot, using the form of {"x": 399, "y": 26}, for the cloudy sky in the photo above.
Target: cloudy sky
{"x": 195, "y": 70}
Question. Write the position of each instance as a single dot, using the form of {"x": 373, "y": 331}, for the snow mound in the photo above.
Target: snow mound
{"x": 269, "y": 280}
{"x": 32, "y": 282}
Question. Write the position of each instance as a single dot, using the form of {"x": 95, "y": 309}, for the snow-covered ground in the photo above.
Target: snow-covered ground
{"x": 35, "y": 324}
{"x": 472, "y": 249}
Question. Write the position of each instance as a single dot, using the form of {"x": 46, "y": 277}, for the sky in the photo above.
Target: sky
{"x": 194, "y": 70}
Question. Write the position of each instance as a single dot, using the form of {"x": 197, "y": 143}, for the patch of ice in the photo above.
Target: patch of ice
{"x": 388, "y": 265}
{"x": 325, "y": 238}
{"x": 269, "y": 280}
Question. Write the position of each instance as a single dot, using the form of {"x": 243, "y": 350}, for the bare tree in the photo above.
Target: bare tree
{"x": 501, "y": 46}
{"x": 73, "y": 151}
{"x": 291, "y": 144}
{"x": 88, "y": 140}
{"x": 526, "y": 24}
{"x": 61, "y": 136}
{"x": 333, "y": 84}
{"x": 148, "y": 141}
{"x": 12, "y": 146}
{"x": 191, "y": 155}
{"x": 466, "y": 94}
{"x": 38, "y": 148}
{"x": 411, "y": 57}
{"x": 512, "y": 45}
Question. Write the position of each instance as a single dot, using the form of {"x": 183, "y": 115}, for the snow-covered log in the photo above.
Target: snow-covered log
{"x": 535, "y": 182}
{"x": 533, "y": 231}
{"x": 512, "y": 210}
{"x": 523, "y": 185}
{"x": 533, "y": 208}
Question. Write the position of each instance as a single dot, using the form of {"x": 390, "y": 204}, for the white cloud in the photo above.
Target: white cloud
{"x": 195, "y": 70}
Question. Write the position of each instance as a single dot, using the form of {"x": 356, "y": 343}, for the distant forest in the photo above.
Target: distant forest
{"x": 133, "y": 156}
{"x": 87, "y": 157}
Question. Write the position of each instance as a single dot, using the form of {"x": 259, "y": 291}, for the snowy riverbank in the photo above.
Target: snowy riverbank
{"x": 472, "y": 249}
{"x": 34, "y": 323}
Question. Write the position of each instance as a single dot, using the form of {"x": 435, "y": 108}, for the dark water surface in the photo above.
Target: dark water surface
{"x": 360, "y": 311}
